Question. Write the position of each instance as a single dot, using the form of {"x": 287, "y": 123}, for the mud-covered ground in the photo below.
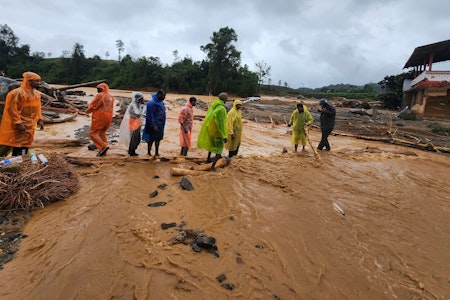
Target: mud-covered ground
{"x": 271, "y": 211}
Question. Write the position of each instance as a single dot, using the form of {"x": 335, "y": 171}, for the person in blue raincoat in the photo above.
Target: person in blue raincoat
{"x": 155, "y": 121}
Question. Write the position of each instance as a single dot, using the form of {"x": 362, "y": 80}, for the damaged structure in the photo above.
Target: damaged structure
{"x": 428, "y": 93}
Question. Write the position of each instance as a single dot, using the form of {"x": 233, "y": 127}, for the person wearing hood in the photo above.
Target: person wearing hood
{"x": 327, "y": 119}
{"x": 21, "y": 114}
{"x": 155, "y": 121}
{"x": 130, "y": 127}
{"x": 186, "y": 120}
{"x": 213, "y": 133}
{"x": 101, "y": 107}
{"x": 234, "y": 128}
{"x": 300, "y": 118}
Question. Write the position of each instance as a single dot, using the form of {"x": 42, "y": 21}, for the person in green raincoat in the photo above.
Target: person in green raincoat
{"x": 234, "y": 128}
{"x": 300, "y": 118}
{"x": 213, "y": 133}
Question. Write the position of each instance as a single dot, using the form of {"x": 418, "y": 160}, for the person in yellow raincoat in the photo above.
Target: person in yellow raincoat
{"x": 300, "y": 118}
{"x": 234, "y": 128}
{"x": 213, "y": 133}
{"x": 186, "y": 120}
{"x": 21, "y": 115}
{"x": 101, "y": 108}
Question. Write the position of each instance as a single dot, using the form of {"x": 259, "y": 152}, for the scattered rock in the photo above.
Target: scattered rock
{"x": 239, "y": 260}
{"x": 198, "y": 241}
{"x": 162, "y": 186}
{"x": 221, "y": 278}
{"x": 157, "y": 204}
{"x": 185, "y": 184}
{"x": 153, "y": 194}
{"x": 228, "y": 286}
{"x": 165, "y": 226}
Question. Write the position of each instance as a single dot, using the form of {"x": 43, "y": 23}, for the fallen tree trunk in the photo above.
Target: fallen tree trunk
{"x": 206, "y": 167}
{"x": 89, "y": 161}
{"x": 50, "y": 120}
{"x": 396, "y": 141}
{"x": 43, "y": 143}
{"x": 181, "y": 159}
{"x": 184, "y": 172}
{"x": 85, "y": 84}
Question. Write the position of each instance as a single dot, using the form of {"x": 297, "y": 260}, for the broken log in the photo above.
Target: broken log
{"x": 44, "y": 143}
{"x": 91, "y": 83}
{"x": 396, "y": 141}
{"x": 50, "y": 120}
{"x": 181, "y": 159}
{"x": 184, "y": 172}
{"x": 89, "y": 161}
{"x": 206, "y": 167}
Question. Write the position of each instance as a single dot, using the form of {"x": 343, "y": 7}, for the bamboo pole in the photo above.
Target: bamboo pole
{"x": 316, "y": 154}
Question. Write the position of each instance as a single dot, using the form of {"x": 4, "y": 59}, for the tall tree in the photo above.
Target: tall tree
{"x": 76, "y": 64}
{"x": 263, "y": 71}
{"x": 223, "y": 58}
{"x": 120, "y": 48}
{"x": 10, "y": 52}
{"x": 392, "y": 94}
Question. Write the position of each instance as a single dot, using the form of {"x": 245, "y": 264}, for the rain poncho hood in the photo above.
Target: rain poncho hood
{"x": 22, "y": 106}
{"x": 213, "y": 130}
{"x": 234, "y": 127}
{"x": 132, "y": 118}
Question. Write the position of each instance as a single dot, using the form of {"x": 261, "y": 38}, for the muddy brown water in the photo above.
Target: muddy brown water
{"x": 277, "y": 232}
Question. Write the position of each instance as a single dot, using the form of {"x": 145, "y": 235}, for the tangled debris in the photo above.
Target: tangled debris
{"x": 197, "y": 239}
{"x": 27, "y": 186}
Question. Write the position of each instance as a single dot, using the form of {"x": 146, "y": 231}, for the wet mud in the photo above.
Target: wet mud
{"x": 271, "y": 213}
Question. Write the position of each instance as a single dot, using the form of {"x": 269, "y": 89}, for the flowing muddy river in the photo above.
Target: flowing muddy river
{"x": 275, "y": 218}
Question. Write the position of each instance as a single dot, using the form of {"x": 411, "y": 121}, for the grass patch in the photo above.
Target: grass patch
{"x": 439, "y": 128}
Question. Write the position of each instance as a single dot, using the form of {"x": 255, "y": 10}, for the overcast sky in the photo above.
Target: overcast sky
{"x": 307, "y": 43}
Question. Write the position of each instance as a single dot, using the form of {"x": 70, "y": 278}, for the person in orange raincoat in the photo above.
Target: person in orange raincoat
{"x": 21, "y": 115}
{"x": 101, "y": 108}
{"x": 186, "y": 120}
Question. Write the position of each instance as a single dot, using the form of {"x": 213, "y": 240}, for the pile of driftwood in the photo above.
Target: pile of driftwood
{"x": 27, "y": 186}
{"x": 56, "y": 107}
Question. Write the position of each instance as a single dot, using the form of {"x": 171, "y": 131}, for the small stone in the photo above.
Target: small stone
{"x": 228, "y": 286}
{"x": 153, "y": 194}
{"x": 162, "y": 186}
{"x": 165, "y": 226}
{"x": 157, "y": 204}
{"x": 186, "y": 184}
{"x": 221, "y": 278}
